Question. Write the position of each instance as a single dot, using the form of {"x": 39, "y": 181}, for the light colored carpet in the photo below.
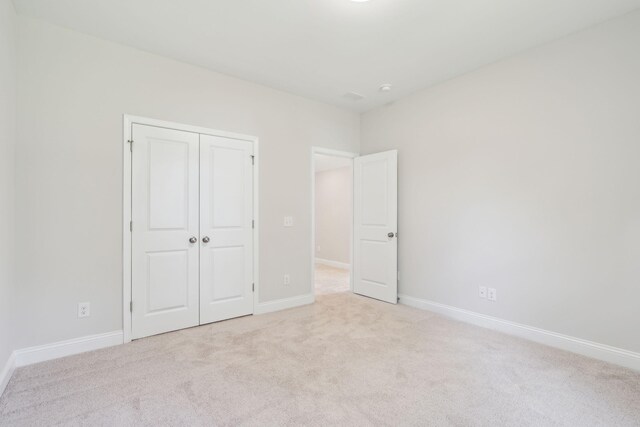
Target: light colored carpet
{"x": 330, "y": 280}
{"x": 346, "y": 360}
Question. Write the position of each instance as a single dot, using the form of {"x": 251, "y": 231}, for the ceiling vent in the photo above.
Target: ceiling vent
{"x": 353, "y": 96}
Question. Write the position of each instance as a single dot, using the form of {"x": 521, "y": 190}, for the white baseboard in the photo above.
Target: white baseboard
{"x": 283, "y": 304}
{"x": 618, "y": 356}
{"x": 7, "y": 372}
{"x": 41, "y": 353}
{"x": 331, "y": 263}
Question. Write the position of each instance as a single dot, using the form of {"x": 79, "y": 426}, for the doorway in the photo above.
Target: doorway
{"x": 332, "y": 221}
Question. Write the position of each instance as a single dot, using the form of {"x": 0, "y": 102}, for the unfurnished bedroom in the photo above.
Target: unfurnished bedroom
{"x": 314, "y": 213}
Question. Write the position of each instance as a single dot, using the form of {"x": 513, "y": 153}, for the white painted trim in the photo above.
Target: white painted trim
{"x": 283, "y": 304}
{"x": 336, "y": 153}
{"x": 7, "y": 372}
{"x": 128, "y": 121}
{"x": 256, "y": 229}
{"x": 331, "y": 263}
{"x": 188, "y": 128}
{"x": 126, "y": 232}
{"x": 618, "y": 356}
{"x": 41, "y": 353}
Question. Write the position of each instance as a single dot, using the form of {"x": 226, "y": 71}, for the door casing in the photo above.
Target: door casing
{"x": 128, "y": 121}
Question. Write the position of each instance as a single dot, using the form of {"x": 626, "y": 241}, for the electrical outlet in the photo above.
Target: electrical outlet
{"x": 288, "y": 221}
{"x": 492, "y": 295}
{"x": 84, "y": 309}
{"x": 287, "y": 279}
{"x": 482, "y": 291}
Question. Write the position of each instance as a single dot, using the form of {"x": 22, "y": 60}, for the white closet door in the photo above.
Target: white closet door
{"x": 165, "y": 218}
{"x": 375, "y": 191}
{"x": 226, "y": 206}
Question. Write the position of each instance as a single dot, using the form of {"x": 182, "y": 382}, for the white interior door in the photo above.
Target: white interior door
{"x": 164, "y": 274}
{"x": 375, "y": 196}
{"x": 226, "y": 217}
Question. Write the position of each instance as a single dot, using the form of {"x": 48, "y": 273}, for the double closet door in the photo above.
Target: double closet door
{"x": 192, "y": 229}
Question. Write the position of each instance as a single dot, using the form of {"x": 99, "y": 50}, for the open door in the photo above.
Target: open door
{"x": 375, "y": 211}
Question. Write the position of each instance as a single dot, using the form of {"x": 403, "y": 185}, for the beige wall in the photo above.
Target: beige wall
{"x": 333, "y": 214}
{"x": 73, "y": 91}
{"x": 8, "y": 61}
{"x": 525, "y": 176}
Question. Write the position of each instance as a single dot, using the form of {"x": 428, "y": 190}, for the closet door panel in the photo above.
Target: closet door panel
{"x": 226, "y": 210}
{"x": 164, "y": 274}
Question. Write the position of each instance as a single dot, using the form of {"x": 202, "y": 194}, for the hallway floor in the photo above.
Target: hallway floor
{"x": 330, "y": 280}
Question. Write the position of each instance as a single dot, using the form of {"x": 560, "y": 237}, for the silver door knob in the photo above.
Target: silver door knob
{"x": 193, "y": 240}
{"x": 391, "y": 234}
{"x": 205, "y": 239}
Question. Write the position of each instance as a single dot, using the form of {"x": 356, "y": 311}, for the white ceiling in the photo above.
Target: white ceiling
{"x": 324, "y": 162}
{"x": 323, "y": 49}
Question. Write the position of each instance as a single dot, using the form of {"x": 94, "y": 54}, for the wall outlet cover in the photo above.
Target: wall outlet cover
{"x": 84, "y": 309}
{"x": 492, "y": 294}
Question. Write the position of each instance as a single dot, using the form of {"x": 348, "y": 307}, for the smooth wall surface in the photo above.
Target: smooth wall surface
{"x": 73, "y": 91}
{"x": 333, "y": 207}
{"x": 8, "y": 66}
{"x": 524, "y": 176}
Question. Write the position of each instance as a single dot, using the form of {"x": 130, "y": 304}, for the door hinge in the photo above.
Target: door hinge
{"x": 131, "y": 306}
{"x": 130, "y": 225}
{"x": 253, "y": 159}
{"x": 130, "y": 145}
{"x": 253, "y": 287}
{"x": 253, "y": 223}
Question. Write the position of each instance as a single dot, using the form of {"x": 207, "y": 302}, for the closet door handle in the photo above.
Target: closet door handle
{"x": 193, "y": 240}
{"x": 205, "y": 239}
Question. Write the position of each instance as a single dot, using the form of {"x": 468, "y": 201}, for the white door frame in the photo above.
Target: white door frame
{"x": 335, "y": 153}
{"x": 128, "y": 121}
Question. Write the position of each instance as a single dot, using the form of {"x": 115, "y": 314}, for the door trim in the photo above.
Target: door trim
{"x": 127, "y": 122}
{"x": 336, "y": 153}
